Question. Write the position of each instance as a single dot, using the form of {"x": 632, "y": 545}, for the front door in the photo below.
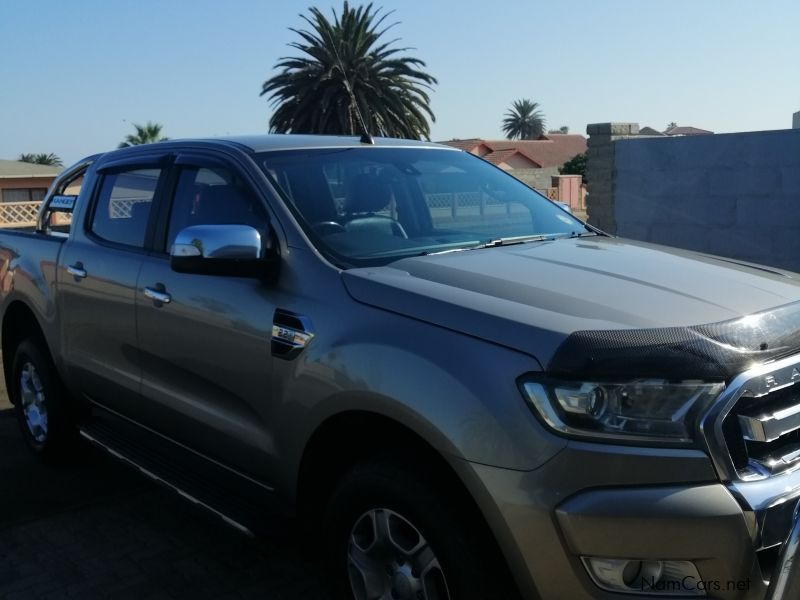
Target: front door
{"x": 205, "y": 351}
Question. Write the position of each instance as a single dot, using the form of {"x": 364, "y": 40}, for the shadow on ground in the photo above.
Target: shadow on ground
{"x": 97, "y": 529}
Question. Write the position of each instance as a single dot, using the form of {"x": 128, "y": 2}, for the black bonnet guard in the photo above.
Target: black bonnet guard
{"x": 717, "y": 351}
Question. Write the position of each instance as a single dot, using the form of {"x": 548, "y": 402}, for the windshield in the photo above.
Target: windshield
{"x": 371, "y": 206}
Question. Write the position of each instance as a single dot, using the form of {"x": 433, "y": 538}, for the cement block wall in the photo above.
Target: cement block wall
{"x": 600, "y": 171}
{"x": 735, "y": 195}
{"x": 538, "y": 179}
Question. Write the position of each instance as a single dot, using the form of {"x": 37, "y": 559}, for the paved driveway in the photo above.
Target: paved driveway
{"x": 99, "y": 530}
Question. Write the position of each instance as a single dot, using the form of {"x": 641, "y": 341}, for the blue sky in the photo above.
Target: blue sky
{"x": 74, "y": 75}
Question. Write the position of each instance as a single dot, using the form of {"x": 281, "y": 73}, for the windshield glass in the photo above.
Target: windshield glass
{"x": 370, "y": 206}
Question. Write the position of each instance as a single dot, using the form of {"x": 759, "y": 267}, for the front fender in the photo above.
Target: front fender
{"x": 457, "y": 392}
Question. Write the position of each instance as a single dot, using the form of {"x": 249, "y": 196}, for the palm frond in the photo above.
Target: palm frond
{"x": 524, "y": 121}
{"x": 344, "y": 66}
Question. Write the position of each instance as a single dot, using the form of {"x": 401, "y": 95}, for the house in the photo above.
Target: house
{"x": 677, "y": 130}
{"x": 681, "y": 130}
{"x": 651, "y": 132}
{"x": 25, "y": 182}
{"x": 534, "y": 162}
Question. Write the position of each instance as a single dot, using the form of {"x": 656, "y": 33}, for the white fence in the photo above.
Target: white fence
{"x": 24, "y": 214}
{"x": 18, "y": 214}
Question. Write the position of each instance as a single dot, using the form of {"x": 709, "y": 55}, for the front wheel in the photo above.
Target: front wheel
{"x": 40, "y": 403}
{"x": 395, "y": 532}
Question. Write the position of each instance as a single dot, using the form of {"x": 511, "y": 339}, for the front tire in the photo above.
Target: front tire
{"x": 395, "y": 531}
{"x": 41, "y": 404}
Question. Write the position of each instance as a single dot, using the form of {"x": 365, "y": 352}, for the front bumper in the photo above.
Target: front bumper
{"x": 785, "y": 583}
{"x": 595, "y": 500}
{"x": 702, "y": 524}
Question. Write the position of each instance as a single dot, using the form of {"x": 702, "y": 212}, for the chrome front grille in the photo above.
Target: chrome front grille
{"x": 754, "y": 430}
{"x": 763, "y": 433}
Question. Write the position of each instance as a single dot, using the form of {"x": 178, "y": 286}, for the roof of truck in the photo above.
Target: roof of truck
{"x": 268, "y": 142}
{"x": 274, "y": 142}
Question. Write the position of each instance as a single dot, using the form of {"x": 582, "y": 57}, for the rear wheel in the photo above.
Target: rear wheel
{"x": 395, "y": 532}
{"x": 40, "y": 403}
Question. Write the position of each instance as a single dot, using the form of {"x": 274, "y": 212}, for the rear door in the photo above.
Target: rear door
{"x": 206, "y": 361}
{"x": 98, "y": 270}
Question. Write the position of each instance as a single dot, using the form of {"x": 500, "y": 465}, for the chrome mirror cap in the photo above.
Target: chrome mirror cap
{"x": 226, "y": 250}
{"x": 226, "y": 242}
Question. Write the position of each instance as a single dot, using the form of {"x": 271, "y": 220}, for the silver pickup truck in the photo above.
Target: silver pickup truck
{"x": 463, "y": 391}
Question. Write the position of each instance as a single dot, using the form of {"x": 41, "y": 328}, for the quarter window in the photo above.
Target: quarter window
{"x": 123, "y": 207}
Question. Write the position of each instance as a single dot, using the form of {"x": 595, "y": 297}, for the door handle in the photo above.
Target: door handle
{"x": 157, "y": 296}
{"x": 77, "y": 271}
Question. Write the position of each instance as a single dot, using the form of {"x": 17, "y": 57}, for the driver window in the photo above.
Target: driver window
{"x": 212, "y": 196}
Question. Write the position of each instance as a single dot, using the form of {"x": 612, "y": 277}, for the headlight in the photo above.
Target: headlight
{"x": 643, "y": 410}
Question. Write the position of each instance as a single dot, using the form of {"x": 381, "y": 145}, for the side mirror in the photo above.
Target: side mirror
{"x": 230, "y": 250}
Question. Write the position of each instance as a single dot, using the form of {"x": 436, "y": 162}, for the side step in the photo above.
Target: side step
{"x": 239, "y": 501}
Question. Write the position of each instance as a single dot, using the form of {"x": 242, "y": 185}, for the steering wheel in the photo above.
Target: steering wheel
{"x": 324, "y": 228}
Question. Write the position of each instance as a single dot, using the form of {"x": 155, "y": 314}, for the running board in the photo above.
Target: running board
{"x": 236, "y": 500}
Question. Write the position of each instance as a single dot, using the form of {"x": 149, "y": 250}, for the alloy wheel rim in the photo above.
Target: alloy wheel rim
{"x": 33, "y": 400}
{"x": 389, "y": 559}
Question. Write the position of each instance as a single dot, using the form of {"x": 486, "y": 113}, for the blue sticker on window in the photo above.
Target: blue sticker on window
{"x": 65, "y": 203}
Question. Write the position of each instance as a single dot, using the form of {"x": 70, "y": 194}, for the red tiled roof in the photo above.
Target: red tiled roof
{"x": 554, "y": 149}
{"x": 464, "y": 144}
{"x": 551, "y": 150}
{"x": 500, "y": 156}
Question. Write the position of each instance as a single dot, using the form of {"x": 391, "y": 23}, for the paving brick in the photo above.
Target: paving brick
{"x": 127, "y": 540}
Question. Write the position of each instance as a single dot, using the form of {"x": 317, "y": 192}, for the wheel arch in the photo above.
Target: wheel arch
{"x": 345, "y": 439}
{"x": 19, "y": 323}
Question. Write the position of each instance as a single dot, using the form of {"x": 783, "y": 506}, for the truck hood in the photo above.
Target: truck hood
{"x": 617, "y": 296}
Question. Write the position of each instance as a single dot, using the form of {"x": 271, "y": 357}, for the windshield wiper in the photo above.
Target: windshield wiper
{"x": 523, "y": 239}
{"x": 510, "y": 241}
{"x": 476, "y": 245}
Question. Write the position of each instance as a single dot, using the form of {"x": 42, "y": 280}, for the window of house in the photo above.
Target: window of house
{"x": 24, "y": 194}
{"x": 123, "y": 206}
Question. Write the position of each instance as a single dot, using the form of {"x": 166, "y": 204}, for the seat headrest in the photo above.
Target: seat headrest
{"x": 368, "y": 194}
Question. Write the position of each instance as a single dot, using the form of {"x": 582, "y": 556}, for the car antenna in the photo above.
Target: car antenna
{"x": 366, "y": 138}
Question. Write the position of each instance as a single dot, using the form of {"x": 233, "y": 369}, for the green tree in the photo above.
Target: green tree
{"x": 575, "y": 166}
{"x": 523, "y": 121}
{"x": 347, "y": 67}
{"x": 562, "y": 129}
{"x": 145, "y": 134}
{"x": 42, "y": 159}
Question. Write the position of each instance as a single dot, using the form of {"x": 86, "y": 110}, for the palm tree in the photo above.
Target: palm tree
{"x": 523, "y": 121}
{"x": 42, "y": 159}
{"x": 348, "y": 72}
{"x": 145, "y": 134}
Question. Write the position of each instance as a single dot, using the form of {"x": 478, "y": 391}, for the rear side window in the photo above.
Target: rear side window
{"x": 123, "y": 207}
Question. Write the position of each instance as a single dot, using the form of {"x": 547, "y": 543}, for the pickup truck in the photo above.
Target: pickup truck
{"x": 462, "y": 391}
